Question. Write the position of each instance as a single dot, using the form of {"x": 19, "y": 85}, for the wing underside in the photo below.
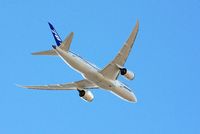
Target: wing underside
{"x": 112, "y": 70}
{"x": 84, "y": 84}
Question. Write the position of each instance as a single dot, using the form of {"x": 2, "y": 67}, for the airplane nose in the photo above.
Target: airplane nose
{"x": 133, "y": 98}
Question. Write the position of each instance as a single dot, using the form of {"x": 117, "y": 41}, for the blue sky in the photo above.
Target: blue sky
{"x": 165, "y": 59}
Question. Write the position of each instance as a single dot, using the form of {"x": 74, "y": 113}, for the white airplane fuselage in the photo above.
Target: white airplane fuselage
{"x": 91, "y": 73}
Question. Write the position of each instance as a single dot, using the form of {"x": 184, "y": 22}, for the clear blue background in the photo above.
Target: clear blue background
{"x": 165, "y": 59}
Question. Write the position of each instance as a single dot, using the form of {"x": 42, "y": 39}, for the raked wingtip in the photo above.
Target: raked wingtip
{"x": 20, "y": 86}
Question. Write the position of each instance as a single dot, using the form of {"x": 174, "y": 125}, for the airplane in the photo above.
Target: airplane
{"x": 94, "y": 78}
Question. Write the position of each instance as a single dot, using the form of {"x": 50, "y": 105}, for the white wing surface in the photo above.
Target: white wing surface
{"x": 65, "y": 86}
{"x": 112, "y": 70}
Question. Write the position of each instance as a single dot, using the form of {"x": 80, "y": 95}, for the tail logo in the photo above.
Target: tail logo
{"x": 56, "y": 36}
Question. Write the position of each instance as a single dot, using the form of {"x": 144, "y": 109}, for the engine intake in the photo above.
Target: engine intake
{"x": 86, "y": 95}
{"x": 126, "y": 73}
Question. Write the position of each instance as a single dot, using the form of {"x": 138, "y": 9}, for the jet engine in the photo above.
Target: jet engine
{"x": 126, "y": 73}
{"x": 86, "y": 95}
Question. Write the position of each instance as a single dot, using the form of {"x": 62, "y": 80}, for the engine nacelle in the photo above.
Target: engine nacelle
{"x": 126, "y": 73}
{"x": 86, "y": 95}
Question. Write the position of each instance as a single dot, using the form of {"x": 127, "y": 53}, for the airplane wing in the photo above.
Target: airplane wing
{"x": 65, "y": 86}
{"x": 112, "y": 70}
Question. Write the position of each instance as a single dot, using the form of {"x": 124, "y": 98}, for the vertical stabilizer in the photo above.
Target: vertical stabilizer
{"x": 55, "y": 34}
{"x": 62, "y": 45}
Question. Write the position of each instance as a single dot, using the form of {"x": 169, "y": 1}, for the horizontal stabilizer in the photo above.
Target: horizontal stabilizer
{"x": 64, "y": 46}
{"x": 67, "y": 42}
{"x": 48, "y": 52}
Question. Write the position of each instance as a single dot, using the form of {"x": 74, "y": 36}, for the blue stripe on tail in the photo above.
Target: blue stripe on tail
{"x": 55, "y": 35}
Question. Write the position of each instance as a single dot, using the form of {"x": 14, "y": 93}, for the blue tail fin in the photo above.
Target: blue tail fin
{"x": 55, "y": 35}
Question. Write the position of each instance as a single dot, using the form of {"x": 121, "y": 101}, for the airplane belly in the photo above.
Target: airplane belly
{"x": 124, "y": 94}
{"x": 107, "y": 84}
{"x": 99, "y": 80}
{"x": 75, "y": 62}
{"x": 93, "y": 75}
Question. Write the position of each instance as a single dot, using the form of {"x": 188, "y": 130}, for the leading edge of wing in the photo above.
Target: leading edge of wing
{"x": 66, "y": 86}
{"x": 48, "y": 87}
{"x": 111, "y": 70}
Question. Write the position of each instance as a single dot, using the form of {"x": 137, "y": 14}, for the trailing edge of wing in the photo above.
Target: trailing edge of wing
{"x": 70, "y": 86}
{"x": 111, "y": 70}
{"x": 66, "y": 86}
